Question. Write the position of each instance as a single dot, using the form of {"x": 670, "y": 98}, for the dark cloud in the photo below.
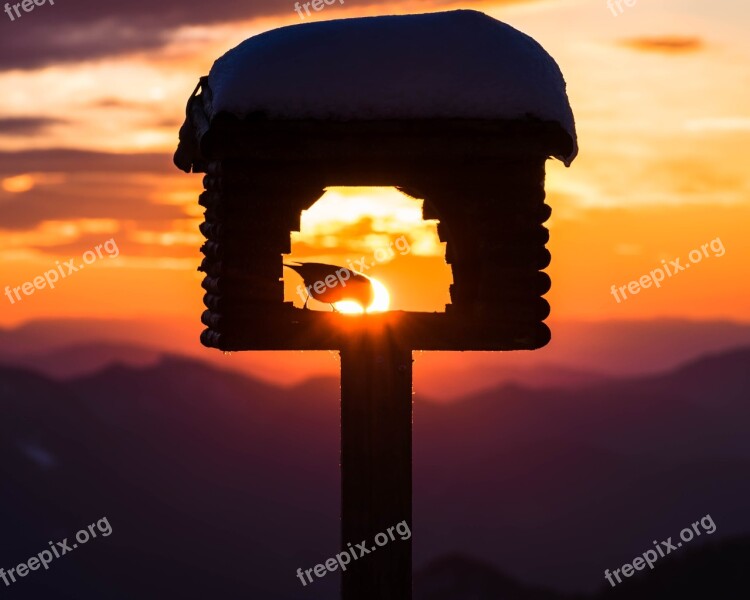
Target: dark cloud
{"x": 78, "y": 30}
{"x": 20, "y": 126}
{"x": 665, "y": 44}
{"x": 82, "y": 161}
{"x": 95, "y": 185}
{"x": 114, "y": 103}
{"x": 113, "y": 197}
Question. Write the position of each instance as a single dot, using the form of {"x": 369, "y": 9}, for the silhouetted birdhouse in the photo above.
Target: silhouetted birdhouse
{"x": 456, "y": 109}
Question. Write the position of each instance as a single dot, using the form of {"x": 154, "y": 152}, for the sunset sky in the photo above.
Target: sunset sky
{"x": 93, "y": 94}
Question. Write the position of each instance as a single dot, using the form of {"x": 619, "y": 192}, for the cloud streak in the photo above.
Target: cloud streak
{"x": 719, "y": 124}
{"x": 76, "y": 184}
{"x": 85, "y": 198}
{"x": 61, "y": 160}
{"x": 665, "y": 44}
{"x": 21, "y": 126}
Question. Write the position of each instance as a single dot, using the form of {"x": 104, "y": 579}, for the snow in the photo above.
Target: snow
{"x": 457, "y": 64}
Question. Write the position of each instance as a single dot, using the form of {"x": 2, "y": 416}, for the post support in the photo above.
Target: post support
{"x": 376, "y": 464}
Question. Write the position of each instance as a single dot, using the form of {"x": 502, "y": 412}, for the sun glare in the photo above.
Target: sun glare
{"x": 379, "y": 304}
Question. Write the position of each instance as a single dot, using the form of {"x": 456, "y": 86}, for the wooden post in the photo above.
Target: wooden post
{"x": 376, "y": 464}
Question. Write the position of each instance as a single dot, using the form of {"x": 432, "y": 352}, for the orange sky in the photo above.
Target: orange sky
{"x": 660, "y": 93}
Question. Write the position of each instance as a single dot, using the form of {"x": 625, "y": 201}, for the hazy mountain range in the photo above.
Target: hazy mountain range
{"x": 580, "y": 353}
{"x": 218, "y": 485}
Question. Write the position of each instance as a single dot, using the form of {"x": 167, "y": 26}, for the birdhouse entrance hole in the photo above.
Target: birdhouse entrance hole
{"x": 380, "y": 232}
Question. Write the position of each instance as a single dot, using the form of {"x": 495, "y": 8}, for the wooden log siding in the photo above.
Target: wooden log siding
{"x": 483, "y": 181}
{"x": 493, "y": 226}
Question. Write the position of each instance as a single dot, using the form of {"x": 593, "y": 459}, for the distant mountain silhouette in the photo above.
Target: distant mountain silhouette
{"x": 463, "y": 578}
{"x": 711, "y": 571}
{"x": 217, "y": 485}
{"x": 86, "y": 358}
{"x": 637, "y": 457}
{"x": 580, "y": 352}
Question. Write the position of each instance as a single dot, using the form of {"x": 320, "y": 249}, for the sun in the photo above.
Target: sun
{"x": 379, "y": 304}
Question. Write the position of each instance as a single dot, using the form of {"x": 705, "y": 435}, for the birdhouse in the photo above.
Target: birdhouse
{"x": 454, "y": 108}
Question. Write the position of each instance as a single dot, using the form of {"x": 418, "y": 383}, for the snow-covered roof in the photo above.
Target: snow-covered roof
{"x": 457, "y": 64}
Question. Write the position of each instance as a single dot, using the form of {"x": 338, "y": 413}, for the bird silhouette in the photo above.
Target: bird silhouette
{"x": 337, "y": 283}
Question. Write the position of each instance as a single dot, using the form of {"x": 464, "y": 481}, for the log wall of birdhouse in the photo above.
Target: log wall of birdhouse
{"x": 484, "y": 182}
{"x": 247, "y": 227}
{"x": 492, "y": 220}
{"x": 491, "y": 215}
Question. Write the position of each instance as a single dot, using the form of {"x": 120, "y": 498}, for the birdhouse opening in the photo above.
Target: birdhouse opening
{"x": 377, "y": 232}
